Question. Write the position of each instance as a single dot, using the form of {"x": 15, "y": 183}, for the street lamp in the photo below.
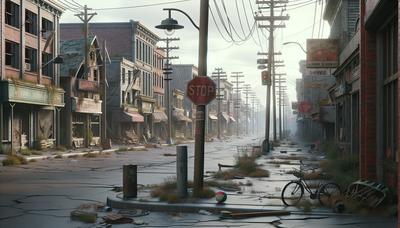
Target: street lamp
{"x": 169, "y": 25}
{"x": 297, "y": 43}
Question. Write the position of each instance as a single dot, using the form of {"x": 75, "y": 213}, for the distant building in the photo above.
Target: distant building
{"x": 133, "y": 41}
{"x": 345, "y": 93}
{"x": 124, "y": 119}
{"x": 316, "y": 116}
{"x": 181, "y": 75}
{"x": 30, "y": 94}
{"x": 82, "y": 113}
{"x": 181, "y": 120}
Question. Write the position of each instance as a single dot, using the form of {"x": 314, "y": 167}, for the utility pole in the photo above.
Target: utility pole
{"x": 85, "y": 18}
{"x": 237, "y": 76}
{"x": 218, "y": 75}
{"x": 167, "y": 70}
{"x": 271, "y": 27}
{"x": 201, "y": 109}
{"x": 279, "y": 80}
{"x": 253, "y": 98}
{"x": 246, "y": 91}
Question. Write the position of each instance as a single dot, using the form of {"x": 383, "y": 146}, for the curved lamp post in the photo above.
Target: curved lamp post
{"x": 297, "y": 43}
{"x": 169, "y": 25}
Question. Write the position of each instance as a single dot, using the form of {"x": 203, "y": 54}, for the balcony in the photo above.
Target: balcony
{"x": 88, "y": 86}
{"x": 29, "y": 93}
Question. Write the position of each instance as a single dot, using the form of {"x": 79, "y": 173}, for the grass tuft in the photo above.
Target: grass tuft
{"x": 12, "y": 160}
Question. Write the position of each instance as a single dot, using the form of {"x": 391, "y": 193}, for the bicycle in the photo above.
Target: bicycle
{"x": 294, "y": 190}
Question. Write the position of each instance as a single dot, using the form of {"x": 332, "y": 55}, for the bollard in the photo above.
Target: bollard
{"x": 181, "y": 171}
{"x": 129, "y": 184}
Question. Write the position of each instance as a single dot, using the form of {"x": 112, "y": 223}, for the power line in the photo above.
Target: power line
{"x": 142, "y": 6}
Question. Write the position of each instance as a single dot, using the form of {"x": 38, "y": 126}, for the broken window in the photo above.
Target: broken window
{"x": 30, "y": 59}
{"x": 12, "y": 14}
{"x": 95, "y": 75}
{"x": 48, "y": 69}
{"x": 123, "y": 75}
{"x": 47, "y": 26}
{"x": 30, "y": 22}
{"x": 12, "y": 54}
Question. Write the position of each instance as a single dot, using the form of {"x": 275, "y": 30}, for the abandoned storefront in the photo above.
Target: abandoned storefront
{"x": 82, "y": 113}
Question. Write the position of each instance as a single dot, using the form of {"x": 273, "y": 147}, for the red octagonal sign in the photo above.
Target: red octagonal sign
{"x": 201, "y": 90}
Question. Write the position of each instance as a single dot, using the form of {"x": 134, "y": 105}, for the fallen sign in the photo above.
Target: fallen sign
{"x": 240, "y": 215}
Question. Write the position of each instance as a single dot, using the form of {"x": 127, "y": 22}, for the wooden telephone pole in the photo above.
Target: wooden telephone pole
{"x": 218, "y": 75}
{"x": 270, "y": 27}
{"x": 85, "y": 18}
{"x": 237, "y": 76}
{"x": 167, "y": 70}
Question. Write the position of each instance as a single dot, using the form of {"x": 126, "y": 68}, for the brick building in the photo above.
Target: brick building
{"x": 379, "y": 88}
{"x": 30, "y": 95}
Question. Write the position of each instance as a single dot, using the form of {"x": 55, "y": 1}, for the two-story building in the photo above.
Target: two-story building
{"x": 83, "y": 105}
{"x": 133, "y": 41}
{"x": 181, "y": 118}
{"x": 30, "y": 95}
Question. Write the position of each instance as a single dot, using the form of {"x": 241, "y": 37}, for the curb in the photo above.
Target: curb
{"x": 66, "y": 155}
{"x": 180, "y": 207}
{"x": 115, "y": 200}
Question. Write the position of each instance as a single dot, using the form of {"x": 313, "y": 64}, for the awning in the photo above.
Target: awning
{"x": 225, "y": 116}
{"x": 232, "y": 119}
{"x": 160, "y": 117}
{"x": 212, "y": 117}
{"x": 179, "y": 116}
{"x": 130, "y": 117}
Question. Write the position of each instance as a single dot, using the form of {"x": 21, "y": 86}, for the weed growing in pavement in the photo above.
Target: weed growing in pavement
{"x": 306, "y": 205}
{"x": 167, "y": 190}
{"x": 58, "y": 156}
{"x": 12, "y": 160}
{"x": 90, "y": 155}
{"x": 341, "y": 167}
{"x": 245, "y": 166}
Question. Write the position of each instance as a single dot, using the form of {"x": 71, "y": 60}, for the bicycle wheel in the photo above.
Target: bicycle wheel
{"x": 328, "y": 192}
{"x": 292, "y": 193}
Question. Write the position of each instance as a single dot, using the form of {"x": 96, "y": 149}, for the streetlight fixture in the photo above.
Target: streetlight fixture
{"x": 297, "y": 43}
{"x": 170, "y": 25}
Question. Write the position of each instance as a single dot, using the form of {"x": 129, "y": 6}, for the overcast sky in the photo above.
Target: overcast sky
{"x": 231, "y": 57}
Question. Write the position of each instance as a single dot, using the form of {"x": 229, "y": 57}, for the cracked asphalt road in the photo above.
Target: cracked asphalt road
{"x": 43, "y": 193}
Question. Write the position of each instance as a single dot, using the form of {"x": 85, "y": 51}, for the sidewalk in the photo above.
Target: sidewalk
{"x": 51, "y": 153}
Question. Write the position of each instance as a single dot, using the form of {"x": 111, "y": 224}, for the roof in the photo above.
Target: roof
{"x": 72, "y": 52}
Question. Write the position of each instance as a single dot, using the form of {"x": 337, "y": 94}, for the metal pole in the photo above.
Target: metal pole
{"x": 181, "y": 171}
{"x": 200, "y": 109}
{"x": 129, "y": 184}
{"x": 280, "y": 107}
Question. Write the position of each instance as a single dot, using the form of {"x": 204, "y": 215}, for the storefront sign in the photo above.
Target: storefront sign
{"x": 322, "y": 53}
{"x": 86, "y": 105}
{"x": 147, "y": 107}
{"x": 90, "y": 86}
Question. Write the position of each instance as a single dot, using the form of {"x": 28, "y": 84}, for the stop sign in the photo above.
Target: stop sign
{"x": 201, "y": 90}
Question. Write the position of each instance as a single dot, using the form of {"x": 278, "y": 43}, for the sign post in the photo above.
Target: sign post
{"x": 200, "y": 90}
